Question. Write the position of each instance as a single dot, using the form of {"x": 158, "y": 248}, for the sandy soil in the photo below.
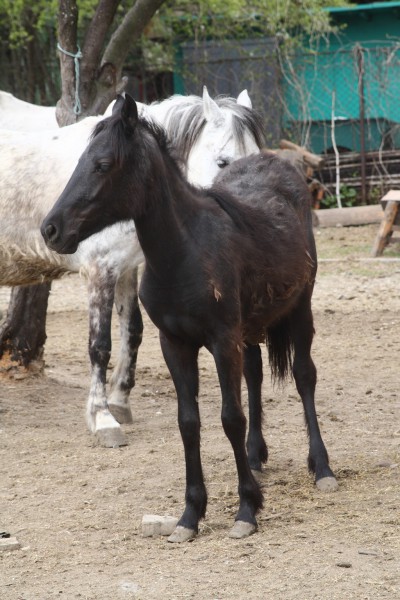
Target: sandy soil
{"x": 76, "y": 508}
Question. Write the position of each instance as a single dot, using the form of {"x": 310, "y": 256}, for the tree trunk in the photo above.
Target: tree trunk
{"x": 87, "y": 87}
{"x": 89, "y": 83}
{"x": 98, "y": 75}
{"x": 23, "y": 332}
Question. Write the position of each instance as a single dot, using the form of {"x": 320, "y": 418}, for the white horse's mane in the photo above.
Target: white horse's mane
{"x": 184, "y": 119}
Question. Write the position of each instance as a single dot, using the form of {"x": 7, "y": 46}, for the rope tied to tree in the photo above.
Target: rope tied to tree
{"x": 77, "y": 106}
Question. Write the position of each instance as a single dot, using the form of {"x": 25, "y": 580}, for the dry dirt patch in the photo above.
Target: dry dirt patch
{"x": 76, "y": 508}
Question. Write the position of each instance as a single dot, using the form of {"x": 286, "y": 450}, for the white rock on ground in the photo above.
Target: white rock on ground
{"x": 158, "y": 525}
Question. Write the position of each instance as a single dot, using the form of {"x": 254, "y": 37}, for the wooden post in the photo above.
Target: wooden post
{"x": 390, "y": 202}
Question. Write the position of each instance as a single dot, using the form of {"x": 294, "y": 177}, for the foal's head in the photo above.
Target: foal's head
{"x": 101, "y": 191}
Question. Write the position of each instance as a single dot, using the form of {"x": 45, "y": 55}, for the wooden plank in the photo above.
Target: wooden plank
{"x": 354, "y": 215}
{"x": 392, "y": 195}
{"x": 371, "y": 180}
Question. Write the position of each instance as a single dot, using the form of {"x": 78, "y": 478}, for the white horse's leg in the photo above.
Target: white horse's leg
{"x": 101, "y": 287}
{"x": 131, "y": 326}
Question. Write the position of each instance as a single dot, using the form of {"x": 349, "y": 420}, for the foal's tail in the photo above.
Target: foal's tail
{"x": 280, "y": 350}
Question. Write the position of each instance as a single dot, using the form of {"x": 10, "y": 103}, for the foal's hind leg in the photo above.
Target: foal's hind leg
{"x": 257, "y": 450}
{"x": 131, "y": 327}
{"x": 228, "y": 360}
{"x": 101, "y": 298}
{"x": 181, "y": 360}
{"x": 305, "y": 375}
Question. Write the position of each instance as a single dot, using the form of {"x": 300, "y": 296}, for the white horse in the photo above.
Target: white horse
{"x": 34, "y": 169}
{"x": 22, "y": 116}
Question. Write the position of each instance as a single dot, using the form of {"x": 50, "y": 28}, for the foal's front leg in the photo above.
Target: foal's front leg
{"x": 228, "y": 359}
{"x": 131, "y": 328}
{"x": 101, "y": 298}
{"x": 181, "y": 360}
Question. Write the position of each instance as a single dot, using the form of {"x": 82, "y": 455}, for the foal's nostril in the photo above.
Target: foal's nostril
{"x": 50, "y": 232}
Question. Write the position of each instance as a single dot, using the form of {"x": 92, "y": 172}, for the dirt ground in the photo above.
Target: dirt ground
{"x": 76, "y": 508}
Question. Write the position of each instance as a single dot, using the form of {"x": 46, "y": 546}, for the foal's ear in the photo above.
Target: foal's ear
{"x": 244, "y": 99}
{"x": 129, "y": 114}
{"x": 117, "y": 105}
{"x": 211, "y": 110}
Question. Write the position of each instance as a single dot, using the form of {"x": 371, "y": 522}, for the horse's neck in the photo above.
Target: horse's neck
{"x": 163, "y": 229}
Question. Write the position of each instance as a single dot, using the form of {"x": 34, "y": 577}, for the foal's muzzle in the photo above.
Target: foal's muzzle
{"x": 55, "y": 241}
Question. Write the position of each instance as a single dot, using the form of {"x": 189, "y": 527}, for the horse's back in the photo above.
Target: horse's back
{"x": 23, "y": 116}
{"x": 255, "y": 179}
{"x": 269, "y": 205}
{"x": 269, "y": 196}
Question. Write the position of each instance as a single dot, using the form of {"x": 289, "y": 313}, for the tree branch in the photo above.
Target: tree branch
{"x": 129, "y": 31}
{"x": 92, "y": 52}
{"x": 97, "y": 31}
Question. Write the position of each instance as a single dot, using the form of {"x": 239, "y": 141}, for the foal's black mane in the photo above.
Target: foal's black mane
{"x": 121, "y": 142}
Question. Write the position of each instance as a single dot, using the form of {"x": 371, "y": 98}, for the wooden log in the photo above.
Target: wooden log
{"x": 315, "y": 161}
{"x": 354, "y": 215}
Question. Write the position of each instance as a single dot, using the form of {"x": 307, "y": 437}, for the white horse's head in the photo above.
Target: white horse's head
{"x": 231, "y": 131}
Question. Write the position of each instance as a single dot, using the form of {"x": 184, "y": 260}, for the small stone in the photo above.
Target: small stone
{"x": 158, "y": 525}
{"x": 368, "y": 552}
{"x": 344, "y": 565}
{"x": 387, "y": 464}
{"x": 129, "y": 587}
{"x": 10, "y": 543}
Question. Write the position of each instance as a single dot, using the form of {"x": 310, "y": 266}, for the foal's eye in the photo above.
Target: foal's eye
{"x": 102, "y": 167}
{"x": 222, "y": 162}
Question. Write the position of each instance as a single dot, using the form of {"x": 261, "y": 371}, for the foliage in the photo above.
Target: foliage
{"x": 25, "y": 24}
{"x": 18, "y": 18}
{"x": 182, "y": 19}
{"x": 219, "y": 19}
{"x": 348, "y": 196}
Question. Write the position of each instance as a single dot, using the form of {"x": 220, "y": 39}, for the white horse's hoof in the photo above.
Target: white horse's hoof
{"x": 122, "y": 414}
{"x": 242, "y": 529}
{"x": 327, "y": 484}
{"x": 111, "y": 437}
{"x": 182, "y": 534}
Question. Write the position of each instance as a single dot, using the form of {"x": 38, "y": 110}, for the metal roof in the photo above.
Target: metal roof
{"x": 362, "y": 7}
